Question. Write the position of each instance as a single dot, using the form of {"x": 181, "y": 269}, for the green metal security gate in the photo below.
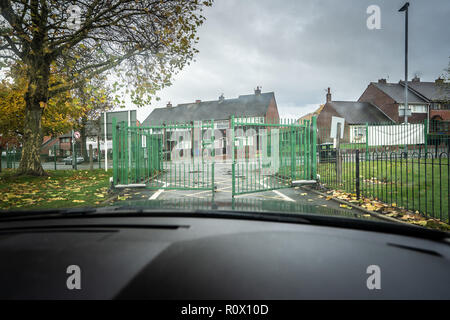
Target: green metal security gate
{"x": 265, "y": 156}
{"x": 269, "y": 156}
{"x": 168, "y": 156}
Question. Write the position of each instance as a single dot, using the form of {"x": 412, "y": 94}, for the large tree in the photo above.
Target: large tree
{"x": 144, "y": 42}
{"x": 59, "y": 115}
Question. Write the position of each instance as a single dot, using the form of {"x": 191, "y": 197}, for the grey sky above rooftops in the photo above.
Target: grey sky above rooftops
{"x": 299, "y": 48}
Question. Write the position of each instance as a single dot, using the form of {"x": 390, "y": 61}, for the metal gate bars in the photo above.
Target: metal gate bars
{"x": 264, "y": 156}
{"x": 166, "y": 156}
{"x": 268, "y": 156}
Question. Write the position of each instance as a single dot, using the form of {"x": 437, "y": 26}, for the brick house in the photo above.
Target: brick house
{"x": 257, "y": 107}
{"x": 436, "y": 93}
{"x": 355, "y": 113}
{"x": 427, "y": 100}
{"x": 48, "y": 145}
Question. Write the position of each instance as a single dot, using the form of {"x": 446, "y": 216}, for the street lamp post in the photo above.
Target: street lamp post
{"x": 405, "y": 8}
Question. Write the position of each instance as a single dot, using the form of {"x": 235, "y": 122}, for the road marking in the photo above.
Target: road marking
{"x": 157, "y": 193}
{"x": 285, "y": 197}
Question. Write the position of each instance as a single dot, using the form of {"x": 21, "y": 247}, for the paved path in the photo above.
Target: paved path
{"x": 297, "y": 197}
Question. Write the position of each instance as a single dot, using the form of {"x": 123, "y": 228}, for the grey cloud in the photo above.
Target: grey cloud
{"x": 299, "y": 48}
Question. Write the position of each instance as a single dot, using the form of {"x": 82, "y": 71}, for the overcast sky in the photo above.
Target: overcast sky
{"x": 299, "y": 48}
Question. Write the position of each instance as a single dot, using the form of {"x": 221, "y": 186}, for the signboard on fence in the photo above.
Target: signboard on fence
{"x": 392, "y": 135}
{"x": 121, "y": 116}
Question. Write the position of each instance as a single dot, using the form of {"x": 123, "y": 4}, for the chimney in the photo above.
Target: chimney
{"x": 416, "y": 79}
{"x": 439, "y": 81}
{"x": 328, "y": 95}
{"x": 198, "y": 101}
{"x": 258, "y": 90}
{"x": 169, "y": 105}
{"x": 381, "y": 80}
{"x": 221, "y": 98}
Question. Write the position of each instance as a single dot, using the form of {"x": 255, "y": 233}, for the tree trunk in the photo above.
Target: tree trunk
{"x": 31, "y": 161}
{"x": 35, "y": 99}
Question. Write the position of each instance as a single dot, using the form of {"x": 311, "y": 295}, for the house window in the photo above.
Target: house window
{"x": 418, "y": 109}
{"x": 436, "y": 106}
{"x": 415, "y": 108}
{"x": 358, "y": 134}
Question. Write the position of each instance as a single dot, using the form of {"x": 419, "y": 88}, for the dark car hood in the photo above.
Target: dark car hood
{"x": 242, "y": 205}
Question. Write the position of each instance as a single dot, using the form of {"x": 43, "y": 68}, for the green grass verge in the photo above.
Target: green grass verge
{"x": 61, "y": 189}
{"x": 409, "y": 184}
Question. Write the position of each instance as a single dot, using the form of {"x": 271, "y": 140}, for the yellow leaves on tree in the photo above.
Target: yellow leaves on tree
{"x": 59, "y": 113}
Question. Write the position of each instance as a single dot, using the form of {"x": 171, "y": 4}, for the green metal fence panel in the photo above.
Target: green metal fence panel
{"x": 164, "y": 156}
{"x": 265, "y": 155}
{"x": 270, "y": 155}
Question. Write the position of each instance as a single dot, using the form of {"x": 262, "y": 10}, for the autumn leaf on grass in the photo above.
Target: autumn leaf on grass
{"x": 392, "y": 214}
{"x": 371, "y": 208}
{"x": 78, "y": 201}
{"x": 345, "y": 206}
{"x": 329, "y": 198}
{"x": 100, "y": 195}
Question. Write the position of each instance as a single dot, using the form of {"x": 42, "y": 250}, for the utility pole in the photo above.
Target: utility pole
{"x": 405, "y": 8}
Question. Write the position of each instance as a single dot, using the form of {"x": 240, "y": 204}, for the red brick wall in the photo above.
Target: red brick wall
{"x": 45, "y": 149}
{"x": 380, "y": 99}
{"x": 324, "y": 118}
{"x": 65, "y": 146}
{"x": 272, "y": 112}
{"x": 444, "y": 114}
{"x": 324, "y": 124}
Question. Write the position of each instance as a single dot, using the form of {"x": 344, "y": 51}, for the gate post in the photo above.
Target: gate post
{"x": 357, "y": 175}
{"x": 213, "y": 154}
{"x": 114, "y": 141}
{"x": 233, "y": 186}
{"x": 292, "y": 135}
{"x": 314, "y": 148}
{"x": 338, "y": 155}
{"x": 308, "y": 150}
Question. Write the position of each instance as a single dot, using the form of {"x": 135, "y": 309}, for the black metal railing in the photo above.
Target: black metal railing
{"x": 404, "y": 166}
{"x": 414, "y": 181}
